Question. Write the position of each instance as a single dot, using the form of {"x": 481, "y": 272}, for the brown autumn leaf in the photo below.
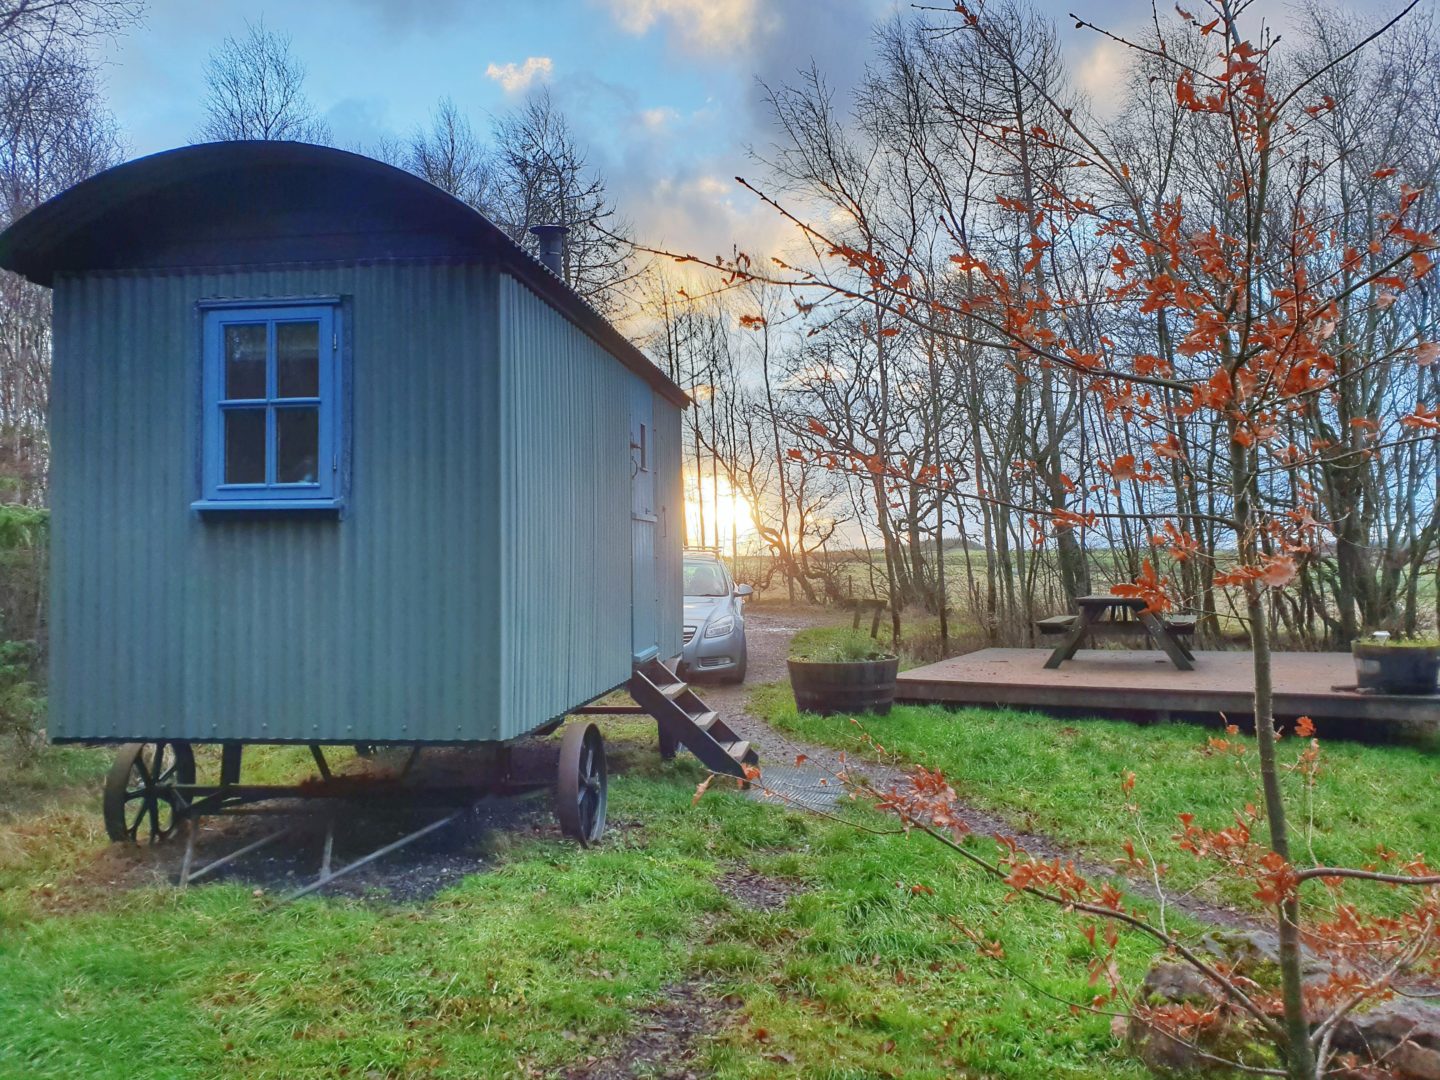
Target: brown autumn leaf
{"x": 701, "y": 788}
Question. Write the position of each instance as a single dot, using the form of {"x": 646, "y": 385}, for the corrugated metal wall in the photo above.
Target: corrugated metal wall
{"x": 565, "y": 502}
{"x": 382, "y": 626}
{"x": 416, "y": 616}
{"x": 670, "y": 528}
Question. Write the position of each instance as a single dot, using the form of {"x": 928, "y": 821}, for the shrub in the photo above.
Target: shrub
{"x": 24, "y": 540}
{"x": 22, "y": 703}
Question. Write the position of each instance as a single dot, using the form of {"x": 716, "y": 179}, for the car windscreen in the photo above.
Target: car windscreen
{"x": 704, "y": 579}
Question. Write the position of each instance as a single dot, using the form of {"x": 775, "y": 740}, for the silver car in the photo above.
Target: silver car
{"x": 714, "y": 625}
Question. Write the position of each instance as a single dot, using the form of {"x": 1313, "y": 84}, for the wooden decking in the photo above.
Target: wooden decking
{"x": 1140, "y": 683}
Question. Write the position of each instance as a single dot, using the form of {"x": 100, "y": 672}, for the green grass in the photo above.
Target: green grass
{"x": 824, "y": 641}
{"x": 537, "y": 966}
{"x": 836, "y": 645}
{"x": 50, "y": 823}
{"x": 1064, "y": 778}
{"x": 550, "y": 960}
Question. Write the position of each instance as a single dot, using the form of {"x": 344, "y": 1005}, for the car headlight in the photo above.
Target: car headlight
{"x": 720, "y": 627}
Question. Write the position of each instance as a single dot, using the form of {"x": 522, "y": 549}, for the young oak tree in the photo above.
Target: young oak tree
{"x": 1251, "y": 301}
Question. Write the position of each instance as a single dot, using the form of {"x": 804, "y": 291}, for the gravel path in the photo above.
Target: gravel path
{"x": 767, "y": 643}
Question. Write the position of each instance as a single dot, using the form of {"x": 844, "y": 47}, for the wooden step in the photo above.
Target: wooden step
{"x": 672, "y": 690}
{"x": 739, "y": 749}
{"x": 685, "y": 720}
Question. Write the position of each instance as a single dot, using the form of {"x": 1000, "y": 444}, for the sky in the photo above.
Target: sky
{"x": 665, "y": 93}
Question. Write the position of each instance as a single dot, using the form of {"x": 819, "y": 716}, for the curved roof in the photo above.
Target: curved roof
{"x": 259, "y": 203}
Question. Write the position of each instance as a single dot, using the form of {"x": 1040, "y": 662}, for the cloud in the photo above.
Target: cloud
{"x": 517, "y": 78}
{"x": 670, "y": 167}
{"x": 1101, "y": 74}
{"x": 696, "y": 25}
{"x": 657, "y": 119}
{"x": 761, "y": 43}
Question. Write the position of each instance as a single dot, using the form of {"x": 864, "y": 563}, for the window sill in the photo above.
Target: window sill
{"x": 328, "y": 508}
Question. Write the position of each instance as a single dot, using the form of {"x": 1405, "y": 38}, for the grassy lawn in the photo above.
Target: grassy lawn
{"x": 1064, "y": 777}
{"x": 544, "y": 963}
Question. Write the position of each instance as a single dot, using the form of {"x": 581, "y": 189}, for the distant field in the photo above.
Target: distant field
{"x": 863, "y": 575}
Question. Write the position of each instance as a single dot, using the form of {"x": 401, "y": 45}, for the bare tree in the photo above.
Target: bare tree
{"x": 941, "y": 162}
{"x": 32, "y": 24}
{"x": 256, "y": 90}
{"x": 54, "y": 132}
{"x": 450, "y": 156}
{"x": 533, "y": 171}
{"x": 544, "y": 177}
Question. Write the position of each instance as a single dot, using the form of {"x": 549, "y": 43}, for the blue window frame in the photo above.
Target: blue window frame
{"x": 272, "y": 400}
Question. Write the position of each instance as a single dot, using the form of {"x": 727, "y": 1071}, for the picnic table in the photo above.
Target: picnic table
{"x": 1107, "y": 615}
{"x": 875, "y": 607}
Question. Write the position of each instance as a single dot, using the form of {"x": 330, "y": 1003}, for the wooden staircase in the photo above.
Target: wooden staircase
{"x": 687, "y": 721}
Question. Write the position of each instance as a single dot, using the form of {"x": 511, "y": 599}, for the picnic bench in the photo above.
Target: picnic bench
{"x": 876, "y": 607}
{"x": 1106, "y": 615}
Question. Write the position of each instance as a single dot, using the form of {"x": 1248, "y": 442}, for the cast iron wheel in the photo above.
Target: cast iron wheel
{"x": 140, "y": 795}
{"x": 580, "y": 789}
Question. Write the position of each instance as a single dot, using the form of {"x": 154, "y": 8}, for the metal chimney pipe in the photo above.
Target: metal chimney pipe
{"x": 552, "y": 246}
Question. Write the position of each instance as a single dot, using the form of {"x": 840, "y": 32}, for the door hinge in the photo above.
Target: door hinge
{"x": 334, "y": 341}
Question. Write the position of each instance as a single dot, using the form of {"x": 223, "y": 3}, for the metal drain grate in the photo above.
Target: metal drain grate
{"x": 803, "y": 785}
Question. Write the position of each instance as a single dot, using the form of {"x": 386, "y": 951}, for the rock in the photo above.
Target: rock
{"x": 1253, "y": 952}
{"x": 1401, "y": 1035}
{"x": 1256, "y": 954}
{"x": 1393, "y": 1040}
{"x": 1161, "y": 1054}
{"x": 1207, "y": 1053}
{"x": 1249, "y": 954}
{"x": 1175, "y": 982}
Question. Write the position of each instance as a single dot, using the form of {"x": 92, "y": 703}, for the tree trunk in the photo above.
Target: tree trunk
{"x": 1299, "y": 1058}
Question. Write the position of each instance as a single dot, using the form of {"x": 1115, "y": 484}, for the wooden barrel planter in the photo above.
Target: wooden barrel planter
{"x": 851, "y": 686}
{"x": 1396, "y": 667}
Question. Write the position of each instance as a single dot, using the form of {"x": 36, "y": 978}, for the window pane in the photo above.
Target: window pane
{"x": 297, "y": 446}
{"x": 297, "y": 357}
{"x": 245, "y": 361}
{"x": 244, "y": 446}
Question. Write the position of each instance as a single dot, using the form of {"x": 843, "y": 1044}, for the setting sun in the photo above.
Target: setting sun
{"x": 715, "y": 514}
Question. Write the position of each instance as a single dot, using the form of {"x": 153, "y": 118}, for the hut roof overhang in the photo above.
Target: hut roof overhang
{"x": 267, "y": 203}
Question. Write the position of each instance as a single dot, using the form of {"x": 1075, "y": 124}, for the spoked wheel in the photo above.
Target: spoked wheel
{"x": 140, "y": 797}
{"x": 580, "y": 789}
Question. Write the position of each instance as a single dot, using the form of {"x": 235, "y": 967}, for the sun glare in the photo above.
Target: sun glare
{"x": 715, "y": 514}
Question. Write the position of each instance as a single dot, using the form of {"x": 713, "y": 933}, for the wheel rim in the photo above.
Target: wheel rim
{"x": 582, "y": 787}
{"x": 142, "y": 803}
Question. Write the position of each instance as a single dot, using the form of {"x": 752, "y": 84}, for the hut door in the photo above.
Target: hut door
{"x": 644, "y": 583}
